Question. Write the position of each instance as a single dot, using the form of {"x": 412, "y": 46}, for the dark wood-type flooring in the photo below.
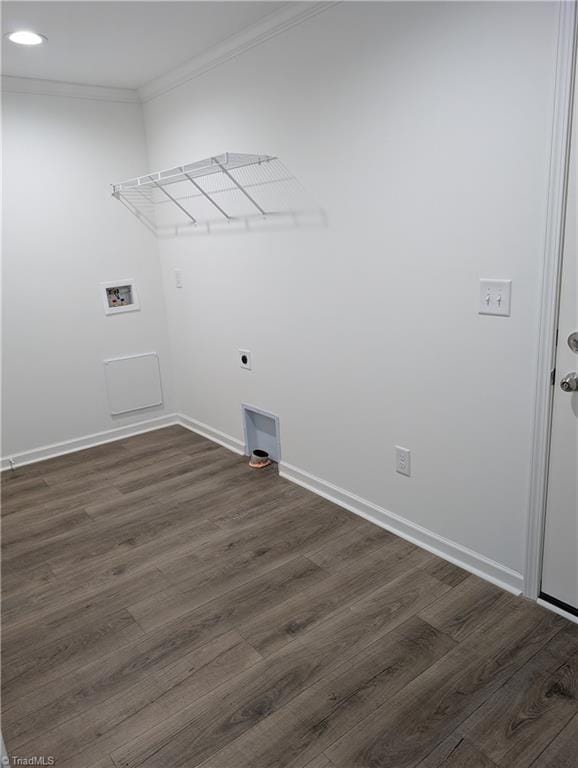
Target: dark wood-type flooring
{"x": 165, "y": 606}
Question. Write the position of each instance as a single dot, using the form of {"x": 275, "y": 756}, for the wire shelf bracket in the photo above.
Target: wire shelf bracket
{"x": 222, "y": 189}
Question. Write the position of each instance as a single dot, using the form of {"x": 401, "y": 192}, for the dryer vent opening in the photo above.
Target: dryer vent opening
{"x": 261, "y": 432}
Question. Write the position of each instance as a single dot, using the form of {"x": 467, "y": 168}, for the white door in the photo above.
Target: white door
{"x": 560, "y": 563}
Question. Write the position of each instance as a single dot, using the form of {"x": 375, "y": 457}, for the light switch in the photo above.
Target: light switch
{"x": 178, "y": 278}
{"x": 495, "y": 297}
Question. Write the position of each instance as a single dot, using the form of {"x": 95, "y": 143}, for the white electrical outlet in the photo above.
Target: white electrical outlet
{"x": 245, "y": 359}
{"x": 178, "y": 278}
{"x": 495, "y": 297}
{"x": 402, "y": 460}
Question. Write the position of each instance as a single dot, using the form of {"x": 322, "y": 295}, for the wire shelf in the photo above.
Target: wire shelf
{"x": 219, "y": 190}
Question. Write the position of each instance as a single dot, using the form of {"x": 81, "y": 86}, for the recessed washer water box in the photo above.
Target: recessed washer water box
{"x": 261, "y": 431}
{"x": 120, "y": 296}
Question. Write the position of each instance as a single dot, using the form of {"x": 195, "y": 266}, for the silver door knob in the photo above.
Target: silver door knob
{"x": 570, "y": 382}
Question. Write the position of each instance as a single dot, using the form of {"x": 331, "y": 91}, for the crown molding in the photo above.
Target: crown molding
{"x": 33, "y": 86}
{"x": 271, "y": 25}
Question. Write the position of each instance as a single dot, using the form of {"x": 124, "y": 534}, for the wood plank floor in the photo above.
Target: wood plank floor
{"x": 164, "y": 606}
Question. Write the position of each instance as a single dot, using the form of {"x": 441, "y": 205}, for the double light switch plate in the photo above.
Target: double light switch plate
{"x": 495, "y": 297}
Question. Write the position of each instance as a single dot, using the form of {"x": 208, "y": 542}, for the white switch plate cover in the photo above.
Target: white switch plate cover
{"x": 178, "y": 278}
{"x": 495, "y": 297}
{"x": 403, "y": 460}
{"x": 245, "y": 359}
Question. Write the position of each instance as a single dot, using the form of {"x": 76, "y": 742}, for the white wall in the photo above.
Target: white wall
{"x": 63, "y": 235}
{"x": 424, "y": 130}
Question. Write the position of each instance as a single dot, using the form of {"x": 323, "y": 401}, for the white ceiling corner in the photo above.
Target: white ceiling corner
{"x": 273, "y": 24}
{"x": 55, "y": 73}
{"x": 70, "y": 90}
{"x": 120, "y": 44}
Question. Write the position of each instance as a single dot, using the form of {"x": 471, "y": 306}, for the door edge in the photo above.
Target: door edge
{"x": 549, "y": 299}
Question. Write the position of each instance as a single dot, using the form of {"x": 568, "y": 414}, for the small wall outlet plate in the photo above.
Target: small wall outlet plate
{"x": 403, "y": 460}
{"x": 245, "y": 359}
{"x": 119, "y": 296}
{"x": 495, "y": 297}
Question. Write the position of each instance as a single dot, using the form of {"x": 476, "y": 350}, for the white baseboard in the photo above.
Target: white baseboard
{"x": 559, "y": 611}
{"x": 89, "y": 441}
{"x": 466, "y": 558}
{"x": 237, "y": 446}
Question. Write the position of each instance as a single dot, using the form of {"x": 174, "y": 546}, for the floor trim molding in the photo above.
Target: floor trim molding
{"x": 88, "y": 441}
{"x": 227, "y": 441}
{"x": 556, "y": 609}
{"x": 455, "y": 553}
{"x": 471, "y": 561}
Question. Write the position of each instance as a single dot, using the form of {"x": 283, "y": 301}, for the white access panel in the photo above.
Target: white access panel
{"x": 133, "y": 382}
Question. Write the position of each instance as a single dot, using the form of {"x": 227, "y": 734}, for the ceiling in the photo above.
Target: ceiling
{"x": 119, "y": 44}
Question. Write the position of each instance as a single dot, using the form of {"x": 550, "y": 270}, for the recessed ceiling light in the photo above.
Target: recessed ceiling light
{"x": 26, "y": 37}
